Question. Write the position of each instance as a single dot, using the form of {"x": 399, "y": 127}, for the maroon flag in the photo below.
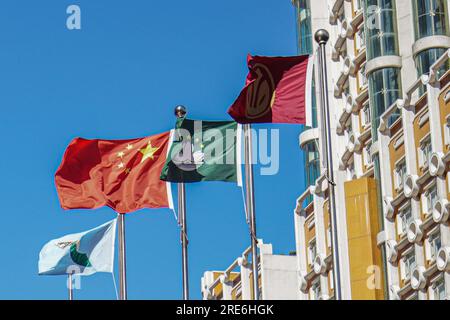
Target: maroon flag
{"x": 277, "y": 90}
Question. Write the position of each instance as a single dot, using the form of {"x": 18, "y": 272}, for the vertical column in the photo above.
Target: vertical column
{"x": 245, "y": 278}
{"x": 227, "y": 287}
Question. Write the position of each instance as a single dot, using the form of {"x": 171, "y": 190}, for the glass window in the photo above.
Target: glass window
{"x": 368, "y": 154}
{"x": 410, "y": 263}
{"x": 384, "y": 89}
{"x": 361, "y": 38}
{"x": 431, "y": 198}
{"x": 406, "y": 217}
{"x": 447, "y": 131}
{"x": 400, "y": 175}
{"x": 425, "y": 152}
{"x": 362, "y": 79}
{"x": 430, "y": 18}
{"x": 381, "y": 28}
{"x": 312, "y": 162}
{"x": 366, "y": 112}
{"x": 304, "y": 32}
{"x": 315, "y": 289}
{"x": 439, "y": 289}
{"x": 425, "y": 59}
{"x": 312, "y": 251}
{"x": 435, "y": 244}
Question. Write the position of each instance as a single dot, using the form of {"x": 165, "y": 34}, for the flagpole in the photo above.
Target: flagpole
{"x": 122, "y": 257}
{"x": 321, "y": 36}
{"x": 70, "y": 286}
{"x": 180, "y": 112}
{"x": 250, "y": 204}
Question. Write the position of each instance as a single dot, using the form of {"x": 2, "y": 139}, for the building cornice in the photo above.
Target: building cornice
{"x": 383, "y": 62}
{"x": 430, "y": 42}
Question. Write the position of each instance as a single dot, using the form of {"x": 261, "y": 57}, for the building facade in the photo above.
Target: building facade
{"x": 277, "y": 276}
{"x": 389, "y": 98}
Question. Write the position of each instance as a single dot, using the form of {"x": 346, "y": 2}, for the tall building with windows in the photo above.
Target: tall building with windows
{"x": 277, "y": 277}
{"x": 389, "y": 98}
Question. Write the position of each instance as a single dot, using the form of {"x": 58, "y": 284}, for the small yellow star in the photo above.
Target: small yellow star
{"x": 129, "y": 146}
{"x": 121, "y": 165}
{"x": 148, "y": 151}
{"x": 121, "y": 154}
{"x": 127, "y": 170}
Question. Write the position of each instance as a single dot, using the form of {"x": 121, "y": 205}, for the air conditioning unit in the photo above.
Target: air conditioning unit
{"x": 414, "y": 231}
{"x": 441, "y": 211}
{"x": 320, "y": 266}
{"x": 443, "y": 259}
{"x": 436, "y": 164}
{"x": 418, "y": 280}
{"x": 411, "y": 187}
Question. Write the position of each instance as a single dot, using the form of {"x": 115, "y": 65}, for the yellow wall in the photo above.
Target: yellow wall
{"x": 362, "y": 229}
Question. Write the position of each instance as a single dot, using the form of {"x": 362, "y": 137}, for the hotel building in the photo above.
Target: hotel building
{"x": 389, "y": 99}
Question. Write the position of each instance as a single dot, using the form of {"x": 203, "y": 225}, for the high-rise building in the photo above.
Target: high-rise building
{"x": 277, "y": 277}
{"x": 389, "y": 104}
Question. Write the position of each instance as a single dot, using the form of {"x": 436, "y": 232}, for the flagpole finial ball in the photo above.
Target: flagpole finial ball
{"x": 321, "y": 36}
{"x": 180, "y": 111}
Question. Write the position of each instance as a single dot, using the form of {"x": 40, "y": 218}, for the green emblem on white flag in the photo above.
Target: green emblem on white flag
{"x": 81, "y": 253}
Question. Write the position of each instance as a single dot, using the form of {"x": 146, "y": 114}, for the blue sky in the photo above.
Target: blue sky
{"x": 118, "y": 77}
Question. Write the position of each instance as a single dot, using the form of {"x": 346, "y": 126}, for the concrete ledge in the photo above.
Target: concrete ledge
{"x": 308, "y": 135}
{"x": 430, "y": 42}
{"x": 383, "y": 62}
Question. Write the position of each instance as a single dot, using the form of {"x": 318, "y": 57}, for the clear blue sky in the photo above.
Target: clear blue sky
{"x": 120, "y": 77}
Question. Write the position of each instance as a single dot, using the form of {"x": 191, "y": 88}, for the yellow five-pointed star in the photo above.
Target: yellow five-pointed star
{"x": 148, "y": 151}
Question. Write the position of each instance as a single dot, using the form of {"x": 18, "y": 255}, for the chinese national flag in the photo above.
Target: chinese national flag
{"x": 277, "y": 90}
{"x": 121, "y": 174}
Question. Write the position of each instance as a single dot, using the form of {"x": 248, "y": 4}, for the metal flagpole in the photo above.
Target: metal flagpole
{"x": 180, "y": 112}
{"x": 321, "y": 36}
{"x": 122, "y": 257}
{"x": 250, "y": 204}
{"x": 70, "y": 286}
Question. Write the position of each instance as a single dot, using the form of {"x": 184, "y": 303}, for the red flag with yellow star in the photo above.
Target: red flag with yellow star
{"x": 121, "y": 174}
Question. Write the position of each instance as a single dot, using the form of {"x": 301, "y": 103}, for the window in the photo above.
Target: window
{"x": 381, "y": 28}
{"x": 366, "y": 114}
{"x": 362, "y": 79}
{"x": 409, "y": 262}
{"x": 312, "y": 251}
{"x": 431, "y": 198}
{"x": 351, "y": 174}
{"x": 426, "y": 58}
{"x": 438, "y": 287}
{"x": 447, "y": 131}
{"x": 304, "y": 32}
{"x": 357, "y": 5}
{"x": 384, "y": 89}
{"x": 430, "y": 18}
{"x": 315, "y": 289}
{"x": 400, "y": 175}
{"x": 312, "y": 164}
{"x": 425, "y": 151}
{"x": 434, "y": 244}
{"x": 329, "y": 237}
{"x": 367, "y": 154}
{"x": 361, "y": 38}
{"x": 405, "y": 218}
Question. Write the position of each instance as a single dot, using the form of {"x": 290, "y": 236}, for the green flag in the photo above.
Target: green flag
{"x": 204, "y": 151}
